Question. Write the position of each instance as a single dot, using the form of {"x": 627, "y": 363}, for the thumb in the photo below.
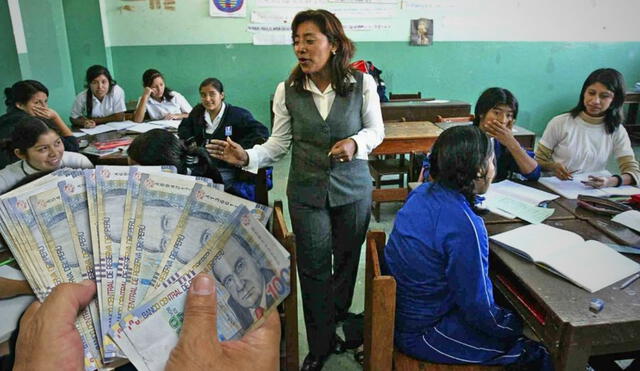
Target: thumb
{"x": 67, "y": 299}
{"x": 200, "y": 309}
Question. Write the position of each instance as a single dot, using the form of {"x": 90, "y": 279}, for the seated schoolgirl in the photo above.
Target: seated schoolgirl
{"x": 158, "y": 102}
{"x": 438, "y": 254}
{"x": 213, "y": 118}
{"x": 26, "y": 99}
{"x": 102, "y": 101}
{"x": 495, "y": 113}
{"x": 39, "y": 148}
{"x": 160, "y": 147}
{"x": 583, "y": 139}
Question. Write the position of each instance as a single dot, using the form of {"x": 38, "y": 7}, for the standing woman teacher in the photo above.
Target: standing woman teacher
{"x": 330, "y": 115}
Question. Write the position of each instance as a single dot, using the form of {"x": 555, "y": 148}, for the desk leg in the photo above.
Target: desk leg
{"x": 573, "y": 352}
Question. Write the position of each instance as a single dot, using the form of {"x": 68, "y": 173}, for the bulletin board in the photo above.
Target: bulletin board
{"x": 187, "y": 22}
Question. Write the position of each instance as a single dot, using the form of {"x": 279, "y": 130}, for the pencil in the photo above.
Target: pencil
{"x": 8, "y": 261}
{"x": 629, "y": 281}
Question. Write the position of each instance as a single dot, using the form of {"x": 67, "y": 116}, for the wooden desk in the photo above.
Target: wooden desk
{"x": 403, "y": 138}
{"x": 558, "y": 311}
{"x": 417, "y": 110}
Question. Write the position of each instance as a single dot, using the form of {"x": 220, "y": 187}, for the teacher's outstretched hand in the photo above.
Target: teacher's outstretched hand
{"x": 228, "y": 151}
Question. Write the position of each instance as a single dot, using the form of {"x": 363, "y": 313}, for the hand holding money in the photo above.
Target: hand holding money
{"x": 48, "y": 338}
{"x": 199, "y": 347}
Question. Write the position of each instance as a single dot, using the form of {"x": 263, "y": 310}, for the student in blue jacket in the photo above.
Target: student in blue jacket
{"x": 213, "y": 118}
{"x": 495, "y": 113}
{"x": 438, "y": 253}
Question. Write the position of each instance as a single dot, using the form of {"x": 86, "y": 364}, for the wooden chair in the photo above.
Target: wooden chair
{"x": 417, "y": 95}
{"x": 289, "y": 360}
{"x": 379, "y": 316}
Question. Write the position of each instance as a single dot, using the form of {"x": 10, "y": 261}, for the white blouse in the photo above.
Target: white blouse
{"x": 112, "y": 103}
{"x": 176, "y": 105}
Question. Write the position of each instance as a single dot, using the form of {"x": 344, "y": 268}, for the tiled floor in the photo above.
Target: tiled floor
{"x": 345, "y": 362}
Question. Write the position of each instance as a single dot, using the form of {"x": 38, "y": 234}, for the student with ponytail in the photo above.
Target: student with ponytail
{"x": 158, "y": 102}
{"x": 39, "y": 148}
{"x": 102, "y": 101}
{"x": 29, "y": 98}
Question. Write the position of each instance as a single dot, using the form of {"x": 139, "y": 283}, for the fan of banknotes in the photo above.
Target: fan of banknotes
{"x": 142, "y": 233}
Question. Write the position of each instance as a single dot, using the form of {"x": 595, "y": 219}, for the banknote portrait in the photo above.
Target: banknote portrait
{"x": 245, "y": 279}
{"x": 200, "y": 227}
{"x": 114, "y": 211}
{"x": 161, "y": 219}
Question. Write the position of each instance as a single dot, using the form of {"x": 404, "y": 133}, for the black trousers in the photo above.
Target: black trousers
{"x": 328, "y": 242}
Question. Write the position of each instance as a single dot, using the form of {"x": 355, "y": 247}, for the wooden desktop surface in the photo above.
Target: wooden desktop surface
{"x": 557, "y": 310}
{"x": 419, "y": 110}
{"x": 405, "y": 137}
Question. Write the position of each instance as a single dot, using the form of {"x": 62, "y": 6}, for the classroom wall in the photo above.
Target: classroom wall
{"x": 65, "y": 37}
{"x": 9, "y": 64}
{"x": 546, "y": 77}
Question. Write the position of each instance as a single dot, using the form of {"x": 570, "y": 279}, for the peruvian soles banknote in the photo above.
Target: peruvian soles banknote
{"x": 252, "y": 277}
{"x": 141, "y": 233}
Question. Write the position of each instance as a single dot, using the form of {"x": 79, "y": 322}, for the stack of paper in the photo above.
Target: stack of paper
{"x": 512, "y": 200}
{"x": 142, "y": 234}
{"x": 572, "y": 188}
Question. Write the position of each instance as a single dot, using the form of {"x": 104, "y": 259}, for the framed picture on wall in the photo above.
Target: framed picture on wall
{"x": 421, "y": 32}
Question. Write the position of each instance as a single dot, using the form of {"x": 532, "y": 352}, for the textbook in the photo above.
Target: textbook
{"x": 590, "y": 265}
{"x": 572, "y": 188}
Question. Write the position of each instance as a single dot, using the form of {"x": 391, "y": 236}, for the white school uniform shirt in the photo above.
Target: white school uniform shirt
{"x": 112, "y": 103}
{"x": 582, "y": 146}
{"x": 158, "y": 110}
{"x": 278, "y": 144}
{"x": 15, "y": 172}
{"x": 212, "y": 124}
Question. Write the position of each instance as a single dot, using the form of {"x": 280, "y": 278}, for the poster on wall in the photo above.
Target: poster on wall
{"x": 421, "y": 32}
{"x": 228, "y": 8}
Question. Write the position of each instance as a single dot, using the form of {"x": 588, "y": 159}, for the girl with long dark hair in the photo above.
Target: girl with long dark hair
{"x": 583, "y": 139}
{"x": 29, "y": 98}
{"x": 158, "y": 102}
{"x": 102, "y": 101}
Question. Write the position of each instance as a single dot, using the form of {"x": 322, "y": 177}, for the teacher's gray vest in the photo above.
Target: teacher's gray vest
{"x": 315, "y": 178}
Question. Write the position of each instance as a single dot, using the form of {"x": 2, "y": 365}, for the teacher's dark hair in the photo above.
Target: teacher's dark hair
{"x": 613, "y": 81}
{"x": 491, "y": 98}
{"x": 459, "y": 156}
{"x": 93, "y": 72}
{"x": 25, "y": 135}
{"x": 339, "y": 63}
{"x": 22, "y": 91}
{"x": 151, "y": 74}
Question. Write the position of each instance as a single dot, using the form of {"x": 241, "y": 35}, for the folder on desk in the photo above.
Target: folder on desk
{"x": 588, "y": 264}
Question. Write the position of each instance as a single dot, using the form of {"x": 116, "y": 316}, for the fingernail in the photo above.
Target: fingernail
{"x": 87, "y": 283}
{"x": 202, "y": 285}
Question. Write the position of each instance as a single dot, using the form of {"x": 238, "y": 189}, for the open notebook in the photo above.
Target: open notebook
{"x": 510, "y": 200}
{"x": 591, "y": 265}
{"x": 572, "y": 188}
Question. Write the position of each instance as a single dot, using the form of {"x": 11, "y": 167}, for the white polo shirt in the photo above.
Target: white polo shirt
{"x": 112, "y": 103}
{"x": 158, "y": 110}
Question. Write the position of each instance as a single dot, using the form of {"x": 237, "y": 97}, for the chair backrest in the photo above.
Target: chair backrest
{"x": 393, "y": 96}
{"x": 290, "y": 361}
{"x": 379, "y": 307}
{"x": 455, "y": 119}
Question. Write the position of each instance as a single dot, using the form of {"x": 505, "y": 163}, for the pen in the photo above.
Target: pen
{"x": 629, "y": 281}
{"x": 329, "y": 154}
{"x": 574, "y": 171}
{"x": 8, "y": 261}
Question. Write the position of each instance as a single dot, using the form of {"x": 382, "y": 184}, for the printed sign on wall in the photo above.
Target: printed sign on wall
{"x": 228, "y": 8}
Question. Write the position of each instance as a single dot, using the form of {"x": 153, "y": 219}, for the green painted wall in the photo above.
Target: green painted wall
{"x": 86, "y": 40}
{"x": 47, "y": 58}
{"x": 9, "y": 64}
{"x": 546, "y": 77}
